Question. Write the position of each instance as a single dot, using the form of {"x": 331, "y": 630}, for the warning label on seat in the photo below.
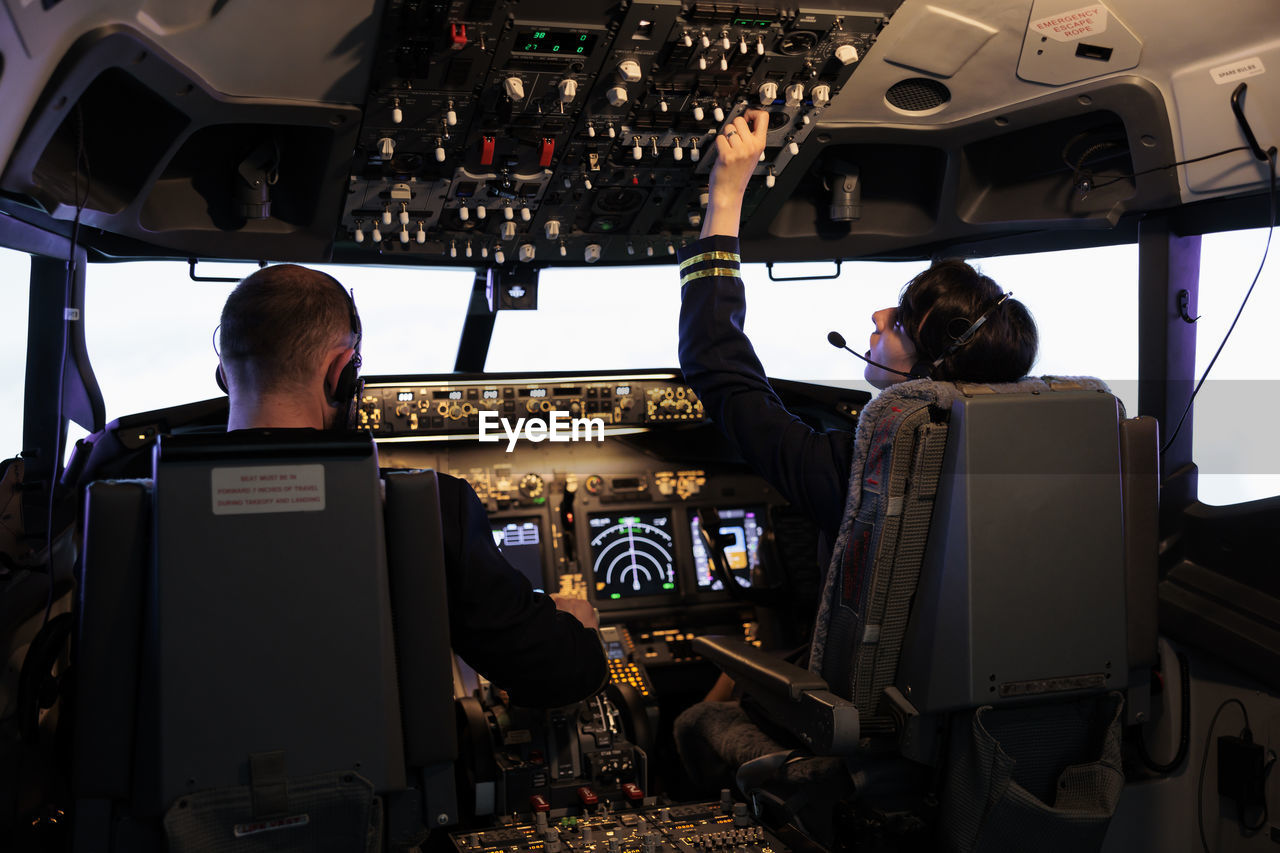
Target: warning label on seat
{"x": 268, "y": 488}
{"x": 1074, "y": 25}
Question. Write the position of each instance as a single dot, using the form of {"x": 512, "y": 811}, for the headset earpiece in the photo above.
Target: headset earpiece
{"x": 220, "y": 379}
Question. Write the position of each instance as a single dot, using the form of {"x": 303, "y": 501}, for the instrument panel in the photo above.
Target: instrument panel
{"x": 506, "y": 133}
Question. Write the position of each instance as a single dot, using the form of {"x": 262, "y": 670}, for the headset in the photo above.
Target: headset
{"x": 924, "y": 369}
{"x": 349, "y": 388}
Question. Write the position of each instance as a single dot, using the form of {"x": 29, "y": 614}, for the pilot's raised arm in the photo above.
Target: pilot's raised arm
{"x": 810, "y": 468}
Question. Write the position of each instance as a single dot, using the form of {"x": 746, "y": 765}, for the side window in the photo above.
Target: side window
{"x": 15, "y": 272}
{"x": 1236, "y": 409}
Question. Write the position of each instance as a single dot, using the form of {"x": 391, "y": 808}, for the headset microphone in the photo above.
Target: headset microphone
{"x": 837, "y": 340}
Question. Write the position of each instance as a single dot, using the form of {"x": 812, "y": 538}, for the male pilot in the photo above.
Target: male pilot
{"x": 290, "y": 347}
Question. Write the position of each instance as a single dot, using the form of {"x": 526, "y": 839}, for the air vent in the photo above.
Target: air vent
{"x": 917, "y": 95}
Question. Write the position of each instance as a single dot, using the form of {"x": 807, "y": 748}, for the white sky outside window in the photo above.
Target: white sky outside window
{"x": 149, "y": 331}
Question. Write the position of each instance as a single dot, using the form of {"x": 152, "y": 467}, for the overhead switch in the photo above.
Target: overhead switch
{"x": 846, "y": 54}
{"x": 629, "y": 71}
{"x": 795, "y": 94}
{"x": 768, "y": 92}
{"x": 568, "y": 91}
{"x": 386, "y": 148}
{"x": 552, "y": 229}
{"x": 592, "y": 253}
{"x": 821, "y": 94}
{"x": 617, "y": 95}
{"x": 514, "y": 87}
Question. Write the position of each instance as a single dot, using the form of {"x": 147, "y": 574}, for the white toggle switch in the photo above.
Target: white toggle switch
{"x": 508, "y": 231}
{"x": 404, "y": 214}
{"x": 653, "y": 142}
{"x": 440, "y": 154}
{"x": 592, "y": 253}
{"x": 591, "y": 130}
{"x": 760, "y": 46}
{"x": 671, "y": 249}
{"x": 804, "y": 119}
{"x": 821, "y": 94}
{"x": 525, "y": 214}
{"x": 386, "y": 148}
{"x": 464, "y": 213}
{"x": 761, "y": 158}
{"x": 568, "y": 91}
{"x": 564, "y": 251}
{"x": 770, "y": 179}
{"x": 617, "y": 95}
{"x": 612, "y": 132}
{"x": 768, "y": 92}
{"x": 514, "y": 87}
{"x": 508, "y": 213}
{"x": 552, "y": 229}
{"x": 793, "y": 147}
{"x": 688, "y": 40}
{"x": 499, "y": 257}
{"x": 386, "y": 216}
{"x": 648, "y": 250}
{"x": 718, "y": 113}
{"x": 846, "y": 53}
{"x": 397, "y": 115}
{"x": 742, "y": 45}
{"x": 724, "y": 63}
{"x": 662, "y": 107}
{"x": 358, "y": 236}
{"x": 676, "y": 151}
{"x": 404, "y": 235}
{"x": 702, "y": 63}
{"x": 451, "y": 117}
{"x": 704, "y": 198}
{"x": 586, "y": 183}
{"x": 724, "y": 40}
{"x": 481, "y": 211}
{"x": 422, "y": 233}
{"x": 467, "y": 251}
{"x": 795, "y": 94}
{"x": 706, "y": 41}
{"x": 631, "y": 249}
{"x": 636, "y": 152}
{"x": 694, "y": 153}
{"x": 376, "y": 234}
{"x": 698, "y": 112}
{"x": 629, "y": 71}
{"x": 453, "y": 250}
{"x": 526, "y": 252}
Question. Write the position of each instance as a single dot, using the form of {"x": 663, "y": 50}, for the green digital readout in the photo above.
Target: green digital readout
{"x": 752, "y": 22}
{"x": 550, "y": 43}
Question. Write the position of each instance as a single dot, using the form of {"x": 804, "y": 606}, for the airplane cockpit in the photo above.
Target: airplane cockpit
{"x": 1022, "y": 623}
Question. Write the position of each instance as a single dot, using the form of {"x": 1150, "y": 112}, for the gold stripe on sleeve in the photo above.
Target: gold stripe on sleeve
{"x": 733, "y": 257}
{"x": 710, "y": 271}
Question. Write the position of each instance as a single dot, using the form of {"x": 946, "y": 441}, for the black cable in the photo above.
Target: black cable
{"x": 1187, "y": 162}
{"x": 1271, "y": 161}
{"x": 82, "y": 159}
{"x": 1204, "y": 764}
{"x": 1184, "y": 728}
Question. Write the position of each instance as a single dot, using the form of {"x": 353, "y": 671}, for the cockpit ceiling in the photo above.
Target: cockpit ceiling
{"x": 491, "y": 133}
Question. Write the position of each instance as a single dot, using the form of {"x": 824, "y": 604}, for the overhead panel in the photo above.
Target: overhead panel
{"x": 1066, "y": 43}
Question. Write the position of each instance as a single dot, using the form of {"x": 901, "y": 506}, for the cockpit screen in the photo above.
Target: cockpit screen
{"x": 520, "y": 541}
{"x": 631, "y": 555}
{"x": 742, "y": 553}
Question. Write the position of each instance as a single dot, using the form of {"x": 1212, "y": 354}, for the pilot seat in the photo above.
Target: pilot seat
{"x": 262, "y": 651}
{"x": 989, "y": 611}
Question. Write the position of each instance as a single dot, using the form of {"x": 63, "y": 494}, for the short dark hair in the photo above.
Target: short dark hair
{"x": 940, "y": 303}
{"x": 279, "y": 322}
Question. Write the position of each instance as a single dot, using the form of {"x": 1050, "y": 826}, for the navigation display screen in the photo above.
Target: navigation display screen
{"x": 742, "y": 552}
{"x": 520, "y": 541}
{"x": 631, "y": 555}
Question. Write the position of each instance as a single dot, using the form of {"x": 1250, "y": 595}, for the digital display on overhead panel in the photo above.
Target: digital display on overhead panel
{"x": 553, "y": 44}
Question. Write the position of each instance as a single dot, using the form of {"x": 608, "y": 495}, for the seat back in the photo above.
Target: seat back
{"x": 248, "y": 595}
{"x": 1022, "y": 591}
